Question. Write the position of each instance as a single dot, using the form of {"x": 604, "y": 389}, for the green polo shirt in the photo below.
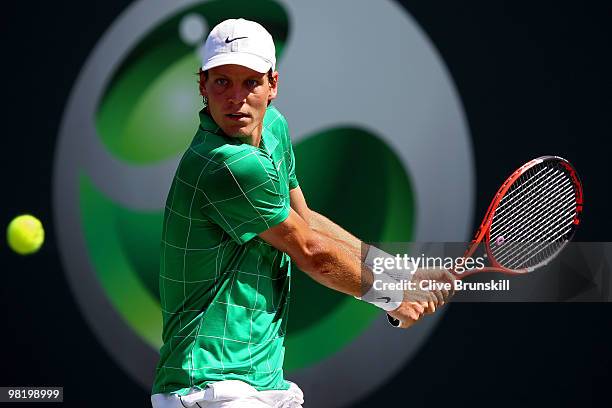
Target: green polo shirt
{"x": 224, "y": 292}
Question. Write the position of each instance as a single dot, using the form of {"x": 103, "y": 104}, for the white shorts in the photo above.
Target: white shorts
{"x": 232, "y": 394}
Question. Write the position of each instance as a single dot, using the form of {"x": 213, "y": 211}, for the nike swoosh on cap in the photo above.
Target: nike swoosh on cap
{"x": 227, "y": 40}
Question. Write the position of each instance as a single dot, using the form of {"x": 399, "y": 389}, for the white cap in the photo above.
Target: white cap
{"x": 240, "y": 42}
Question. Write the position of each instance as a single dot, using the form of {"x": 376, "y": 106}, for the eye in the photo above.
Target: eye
{"x": 252, "y": 83}
{"x": 221, "y": 81}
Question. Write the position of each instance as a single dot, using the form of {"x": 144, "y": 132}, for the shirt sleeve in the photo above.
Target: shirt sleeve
{"x": 293, "y": 181}
{"x": 243, "y": 195}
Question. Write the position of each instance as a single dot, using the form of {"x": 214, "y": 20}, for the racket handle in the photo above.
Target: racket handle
{"x": 393, "y": 321}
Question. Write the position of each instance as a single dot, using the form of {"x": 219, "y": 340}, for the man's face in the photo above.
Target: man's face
{"x": 237, "y": 98}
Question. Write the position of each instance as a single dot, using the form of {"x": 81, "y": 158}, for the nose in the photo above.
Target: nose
{"x": 237, "y": 95}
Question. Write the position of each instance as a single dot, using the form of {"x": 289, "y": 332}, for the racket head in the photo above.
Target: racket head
{"x": 551, "y": 205}
{"x": 533, "y": 216}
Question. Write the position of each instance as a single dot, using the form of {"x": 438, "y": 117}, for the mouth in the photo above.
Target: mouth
{"x": 237, "y": 116}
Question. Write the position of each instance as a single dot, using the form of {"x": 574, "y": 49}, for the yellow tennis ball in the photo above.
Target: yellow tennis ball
{"x": 25, "y": 234}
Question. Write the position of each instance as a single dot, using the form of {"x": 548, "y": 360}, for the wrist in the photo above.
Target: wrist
{"x": 385, "y": 293}
{"x": 387, "y": 290}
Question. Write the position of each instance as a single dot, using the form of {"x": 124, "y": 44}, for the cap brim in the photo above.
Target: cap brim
{"x": 251, "y": 61}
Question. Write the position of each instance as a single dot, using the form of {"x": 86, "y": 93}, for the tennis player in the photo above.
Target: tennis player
{"x": 235, "y": 217}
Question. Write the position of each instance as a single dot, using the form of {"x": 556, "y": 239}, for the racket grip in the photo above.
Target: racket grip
{"x": 393, "y": 321}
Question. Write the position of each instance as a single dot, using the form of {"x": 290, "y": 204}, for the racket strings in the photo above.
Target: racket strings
{"x": 537, "y": 253}
{"x": 540, "y": 234}
{"x": 527, "y": 184}
{"x": 514, "y": 207}
{"x": 537, "y": 205}
{"x": 528, "y": 250}
{"x": 524, "y": 254}
{"x": 520, "y": 195}
{"x": 541, "y": 252}
{"x": 511, "y": 213}
{"x": 523, "y": 183}
{"x": 516, "y": 223}
{"x": 535, "y": 223}
{"x": 541, "y": 238}
{"x": 533, "y": 218}
{"x": 531, "y": 213}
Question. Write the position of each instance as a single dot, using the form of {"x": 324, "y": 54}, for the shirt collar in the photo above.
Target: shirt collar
{"x": 270, "y": 140}
{"x": 207, "y": 123}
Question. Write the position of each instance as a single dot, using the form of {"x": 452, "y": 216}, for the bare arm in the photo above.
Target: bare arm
{"x": 318, "y": 256}
{"x": 415, "y": 303}
{"x": 325, "y": 226}
{"x": 325, "y": 262}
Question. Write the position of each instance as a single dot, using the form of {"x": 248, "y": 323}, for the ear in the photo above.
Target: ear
{"x": 273, "y": 86}
{"x": 202, "y": 83}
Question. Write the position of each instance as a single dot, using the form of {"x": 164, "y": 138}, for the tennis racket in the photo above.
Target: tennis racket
{"x": 533, "y": 216}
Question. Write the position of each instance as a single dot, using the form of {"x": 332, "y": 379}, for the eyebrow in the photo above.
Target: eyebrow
{"x": 253, "y": 76}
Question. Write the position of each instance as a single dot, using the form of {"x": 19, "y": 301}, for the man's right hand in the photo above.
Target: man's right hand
{"x": 418, "y": 302}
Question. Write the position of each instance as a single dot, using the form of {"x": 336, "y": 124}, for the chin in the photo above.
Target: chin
{"x": 233, "y": 132}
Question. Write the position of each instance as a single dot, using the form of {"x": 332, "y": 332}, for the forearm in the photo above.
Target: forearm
{"x": 338, "y": 268}
{"x": 344, "y": 268}
{"x": 333, "y": 231}
{"x": 343, "y": 265}
{"x": 317, "y": 255}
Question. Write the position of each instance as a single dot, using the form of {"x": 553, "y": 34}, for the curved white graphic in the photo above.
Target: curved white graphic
{"x": 346, "y": 63}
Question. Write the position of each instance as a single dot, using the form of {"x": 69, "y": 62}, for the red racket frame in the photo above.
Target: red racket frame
{"x": 484, "y": 231}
